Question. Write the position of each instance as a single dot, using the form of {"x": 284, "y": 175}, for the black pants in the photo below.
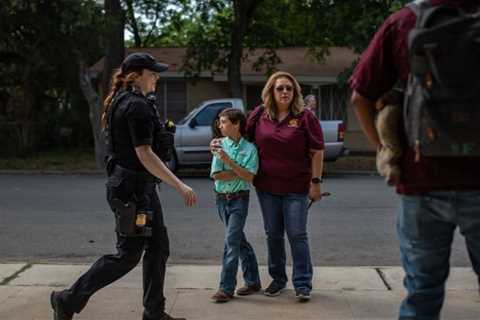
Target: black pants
{"x": 109, "y": 268}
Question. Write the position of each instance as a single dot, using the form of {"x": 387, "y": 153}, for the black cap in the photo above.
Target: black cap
{"x": 142, "y": 60}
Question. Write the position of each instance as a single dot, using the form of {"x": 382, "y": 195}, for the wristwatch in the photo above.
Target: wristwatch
{"x": 316, "y": 180}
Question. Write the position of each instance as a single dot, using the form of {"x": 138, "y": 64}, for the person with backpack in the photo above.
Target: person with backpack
{"x": 432, "y": 48}
{"x": 137, "y": 146}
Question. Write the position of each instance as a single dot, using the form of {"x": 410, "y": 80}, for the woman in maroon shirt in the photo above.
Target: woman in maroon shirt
{"x": 290, "y": 146}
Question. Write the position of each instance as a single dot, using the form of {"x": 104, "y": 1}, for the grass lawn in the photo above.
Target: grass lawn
{"x": 57, "y": 160}
{"x": 85, "y": 161}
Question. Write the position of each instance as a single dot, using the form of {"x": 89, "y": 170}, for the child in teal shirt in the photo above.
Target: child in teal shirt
{"x": 234, "y": 166}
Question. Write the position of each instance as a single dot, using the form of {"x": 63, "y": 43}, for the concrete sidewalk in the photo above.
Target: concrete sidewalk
{"x": 339, "y": 293}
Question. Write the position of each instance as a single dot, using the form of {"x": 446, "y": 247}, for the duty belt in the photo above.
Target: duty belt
{"x": 132, "y": 174}
{"x": 233, "y": 196}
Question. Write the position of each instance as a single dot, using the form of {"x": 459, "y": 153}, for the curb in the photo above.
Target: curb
{"x": 352, "y": 172}
{"x": 51, "y": 172}
{"x": 183, "y": 174}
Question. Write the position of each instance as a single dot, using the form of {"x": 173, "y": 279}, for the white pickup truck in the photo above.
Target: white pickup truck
{"x": 194, "y": 132}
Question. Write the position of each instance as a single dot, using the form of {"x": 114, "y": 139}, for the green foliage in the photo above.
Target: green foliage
{"x": 39, "y": 45}
{"x": 353, "y": 23}
{"x": 207, "y": 36}
{"x": 349, "y": 24}
{"x": 82, "y": 160}
{"x": 316, "y": 24}
{"x": 41, "y": 42}
{"x": 153, "y": 22}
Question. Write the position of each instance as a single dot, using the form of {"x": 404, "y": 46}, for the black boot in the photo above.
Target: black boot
{"x": 168, "y": 317}
{"x": 59, "y": 312}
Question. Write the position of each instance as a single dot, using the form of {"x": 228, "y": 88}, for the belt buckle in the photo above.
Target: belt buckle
{"x": 228, "y": 196}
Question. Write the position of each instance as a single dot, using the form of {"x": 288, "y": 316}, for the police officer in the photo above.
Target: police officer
{"x": 133, "y": 130}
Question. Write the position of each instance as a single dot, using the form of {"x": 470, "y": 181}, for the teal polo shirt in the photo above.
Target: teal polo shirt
{"x": 245, "y": 155}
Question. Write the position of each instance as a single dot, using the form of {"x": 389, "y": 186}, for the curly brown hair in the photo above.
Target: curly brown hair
{"x": 119, "y": 81}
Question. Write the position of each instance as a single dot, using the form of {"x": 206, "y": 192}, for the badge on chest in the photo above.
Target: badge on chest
{"x": 293, "y": 123}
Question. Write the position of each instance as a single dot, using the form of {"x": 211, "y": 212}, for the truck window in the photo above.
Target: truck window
{"x": 188, "y": 116}
{"x": 206, "y": 116}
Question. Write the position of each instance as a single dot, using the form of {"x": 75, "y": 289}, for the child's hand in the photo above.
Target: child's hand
{"x": 215, "y": 145}
{"x": 222, "y": 155}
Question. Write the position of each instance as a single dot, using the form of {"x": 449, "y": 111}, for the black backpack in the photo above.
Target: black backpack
{"x": 165, "y": 136}
{"x": 442, "y": 98}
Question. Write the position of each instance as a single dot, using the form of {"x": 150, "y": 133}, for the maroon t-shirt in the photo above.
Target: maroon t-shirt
{"x": 381, "y": 65}
{"x": 284, "y": 150}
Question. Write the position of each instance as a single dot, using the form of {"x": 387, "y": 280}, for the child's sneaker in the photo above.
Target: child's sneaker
{"x": 302, "y": 294}
{"x": 221, "y": 296}
{"x": 273, "y": 289}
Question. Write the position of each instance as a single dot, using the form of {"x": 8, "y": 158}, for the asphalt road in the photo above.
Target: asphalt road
{"x": 66, "y": 219}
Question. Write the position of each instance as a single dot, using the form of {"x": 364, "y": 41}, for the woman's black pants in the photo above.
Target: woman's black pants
{"x": 109, "y": 268}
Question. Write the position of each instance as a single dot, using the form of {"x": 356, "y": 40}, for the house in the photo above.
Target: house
{"x": 177, "y": 95}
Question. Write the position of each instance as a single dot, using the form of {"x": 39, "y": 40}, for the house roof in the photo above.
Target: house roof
{"x": 171, "y": 56}
{"x": 301, "y": 61}
{"x": 298, "y": 61}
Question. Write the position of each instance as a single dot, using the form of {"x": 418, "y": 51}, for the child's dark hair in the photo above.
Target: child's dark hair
{"x": 235, "y": 116}
{"x": 216, "y": 133}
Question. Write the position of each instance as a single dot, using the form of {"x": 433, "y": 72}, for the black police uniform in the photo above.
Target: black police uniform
{"x": 134, "y": 122}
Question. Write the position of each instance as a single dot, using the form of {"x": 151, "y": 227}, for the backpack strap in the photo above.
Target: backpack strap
{"x": 419, "y": 8}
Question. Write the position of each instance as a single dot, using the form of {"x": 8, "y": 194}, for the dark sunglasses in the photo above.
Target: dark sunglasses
{"x": 283, "y": 88}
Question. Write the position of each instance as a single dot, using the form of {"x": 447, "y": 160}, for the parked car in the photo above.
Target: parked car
{"x": 194, "y": 132}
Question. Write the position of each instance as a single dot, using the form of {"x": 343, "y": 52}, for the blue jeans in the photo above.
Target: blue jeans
{"x": 233, "y": 214}
{"x": 425, "y": 226}
{"x": 287, "y": 212}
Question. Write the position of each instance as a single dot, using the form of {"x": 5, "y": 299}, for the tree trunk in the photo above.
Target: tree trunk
{"x": 133, "y": 23}
{"x": 243, "y": 12}
{"x": 24, "y": 114}
{"x": 115, "y": 43}
{"x": 94, "y": 114}
{"x": 114, "y": 54}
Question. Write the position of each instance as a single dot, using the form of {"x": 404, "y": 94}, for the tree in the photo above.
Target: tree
{"x": 43, "y": 60}
{"x": 216, "y": 41}
{"x": 145, "y": 19}
{"x": 243, "y": 11}
{"x": 119, "y": 15}
{"x": 47, "y": 59}
{"x": 114, "y": 55}
{"x": 38, "y": 65}
{"x": 221, "y": 29}
{"x": 346, "y": 24}
{"x": 114, "y": 42}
